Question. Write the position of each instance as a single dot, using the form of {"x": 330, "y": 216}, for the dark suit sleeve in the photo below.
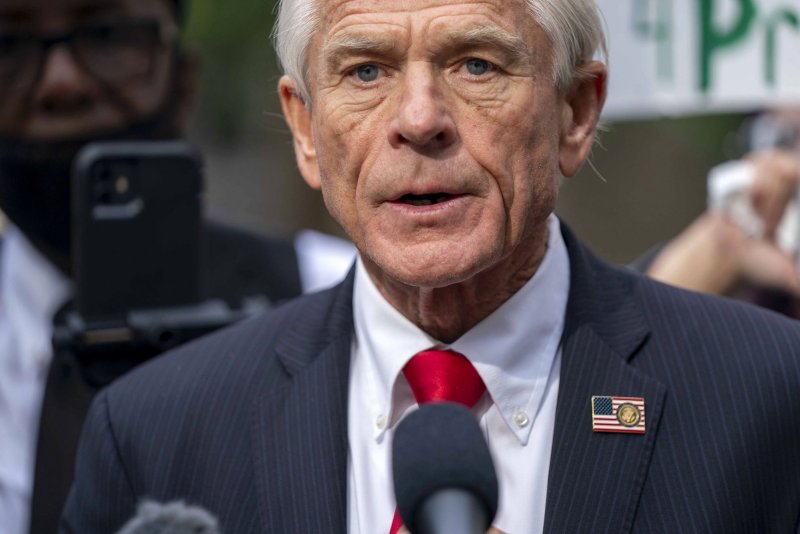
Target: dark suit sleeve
{"x": 102, "y": 498}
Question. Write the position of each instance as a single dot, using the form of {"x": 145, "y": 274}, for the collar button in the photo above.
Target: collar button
{"x": 520, "y": 419}
{"x": 380, "y": 422}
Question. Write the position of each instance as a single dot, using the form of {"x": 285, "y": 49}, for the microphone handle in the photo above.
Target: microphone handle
{"x": 451, "y": 511}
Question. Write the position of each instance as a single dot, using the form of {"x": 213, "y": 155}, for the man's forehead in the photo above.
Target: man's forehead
{"x": 33, "y": 11}
{"x": 443, "y": 22}
{"x": 334, "y": 11}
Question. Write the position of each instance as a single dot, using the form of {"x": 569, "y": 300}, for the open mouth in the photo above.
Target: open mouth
{"x": 425, "y": 200}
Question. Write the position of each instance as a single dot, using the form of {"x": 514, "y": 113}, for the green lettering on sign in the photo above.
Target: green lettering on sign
{"x": 713, "y": 38}
{"x": 781, "y": 16}
{"x": 659, "y": 30}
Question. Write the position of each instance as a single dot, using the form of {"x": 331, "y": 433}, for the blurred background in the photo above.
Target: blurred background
{"x": 647, "y": 180}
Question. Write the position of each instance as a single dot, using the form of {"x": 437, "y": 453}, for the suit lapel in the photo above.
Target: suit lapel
{"x": 300, "y": 430}
{"x": 596, "y": 479}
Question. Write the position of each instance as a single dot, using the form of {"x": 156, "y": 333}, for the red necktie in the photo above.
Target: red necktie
{"x": 441, "y": 376}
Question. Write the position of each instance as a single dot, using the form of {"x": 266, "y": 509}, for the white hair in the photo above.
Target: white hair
{"x": 574, "y": 27}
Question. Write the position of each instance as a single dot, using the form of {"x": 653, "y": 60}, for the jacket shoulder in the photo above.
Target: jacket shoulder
{"x": 703, "y": 339}
{"x": 697, "y": 313}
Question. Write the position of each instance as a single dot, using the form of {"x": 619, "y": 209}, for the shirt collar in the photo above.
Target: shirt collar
{"x": 32, "y": 288}
{"x": 513, "y": 349}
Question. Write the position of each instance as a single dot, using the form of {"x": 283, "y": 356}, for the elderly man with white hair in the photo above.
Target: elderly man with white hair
{"x": 438, "y": 132}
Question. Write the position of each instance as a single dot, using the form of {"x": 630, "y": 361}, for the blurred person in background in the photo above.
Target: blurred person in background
{"x": 746, "y": 245}
{"x": 72, "y": 72}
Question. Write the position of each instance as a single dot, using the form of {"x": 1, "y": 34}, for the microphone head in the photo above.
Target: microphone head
{"x": 170, "y": 518}
{"x": 440, "y": 446}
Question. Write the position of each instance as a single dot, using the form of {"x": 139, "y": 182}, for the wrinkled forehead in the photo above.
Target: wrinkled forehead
{"x": 433, "y": 30}
{"x": 55, "y": 14}
{"x": 424, "y": 19}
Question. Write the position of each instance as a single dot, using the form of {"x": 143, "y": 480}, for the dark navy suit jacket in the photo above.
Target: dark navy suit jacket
{"x": 251, "y": 423}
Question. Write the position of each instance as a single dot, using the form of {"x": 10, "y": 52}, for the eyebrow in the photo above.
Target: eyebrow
{"x": 354, "y": 44}
{"x": 513, "y": 47}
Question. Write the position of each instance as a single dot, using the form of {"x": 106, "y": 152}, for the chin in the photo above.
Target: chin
{"x": 430, "y": 279}
{"x": 434, "y": 268}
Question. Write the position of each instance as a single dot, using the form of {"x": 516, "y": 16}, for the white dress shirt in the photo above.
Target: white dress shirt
{"x": 323, "y": 260}
{"x": 31, "y": 291}
{"x": 516, "y": 352}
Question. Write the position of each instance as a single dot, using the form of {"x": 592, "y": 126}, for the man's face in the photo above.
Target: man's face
{"x": 435, "y": 132}
{"x": 111, "y": 74}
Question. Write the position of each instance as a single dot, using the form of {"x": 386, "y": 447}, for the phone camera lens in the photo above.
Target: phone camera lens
{"x": 121, "y": 185}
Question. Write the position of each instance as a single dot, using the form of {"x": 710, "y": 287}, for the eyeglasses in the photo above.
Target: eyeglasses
{"x": 113, "y": 52}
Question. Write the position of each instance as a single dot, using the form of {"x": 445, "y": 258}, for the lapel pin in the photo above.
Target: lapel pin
{"x": 618, "y": 414}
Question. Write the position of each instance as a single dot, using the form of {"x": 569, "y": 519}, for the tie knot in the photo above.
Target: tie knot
{"x": 443, "y": 376}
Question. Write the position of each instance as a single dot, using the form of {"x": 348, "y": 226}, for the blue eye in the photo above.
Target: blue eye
{"x": 367, "y": 73}
{"x": 478, "y": 67}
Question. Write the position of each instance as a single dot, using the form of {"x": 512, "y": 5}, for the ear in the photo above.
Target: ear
{"x": 187, "y": 67}
{"x": 581, "y": 112}
{"x": 298, "y": 115}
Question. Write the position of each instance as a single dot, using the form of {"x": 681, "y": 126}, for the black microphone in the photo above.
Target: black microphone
{"x": 170, "y": 518}
{"x": 444, "y": 478}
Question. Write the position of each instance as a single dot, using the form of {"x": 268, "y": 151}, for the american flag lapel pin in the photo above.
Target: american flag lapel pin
{"x": 618, "y": 414}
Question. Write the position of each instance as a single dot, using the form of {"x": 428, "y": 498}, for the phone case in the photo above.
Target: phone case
{"x": 136, "y": 212}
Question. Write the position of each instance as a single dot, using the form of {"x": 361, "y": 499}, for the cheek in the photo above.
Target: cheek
{"x": 340, "y": 153}
{"x": 144, "y": 96}
{"x": 348, "y": 146}
{"x": 536, "y": 183}
{"x": 349, "y": 112}
{"x": 520, "y": 152}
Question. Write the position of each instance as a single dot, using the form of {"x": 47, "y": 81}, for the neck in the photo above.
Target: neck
{"x": 446, "y": 313}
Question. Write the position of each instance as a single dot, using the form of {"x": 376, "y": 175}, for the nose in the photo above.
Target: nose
{"x": 423, "y": 120}
{"x": 63, "y": 87}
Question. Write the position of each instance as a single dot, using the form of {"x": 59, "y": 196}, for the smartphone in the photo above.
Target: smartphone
{"x": 136, "y": 216}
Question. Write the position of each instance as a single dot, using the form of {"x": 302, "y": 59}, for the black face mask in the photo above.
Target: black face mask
{"x": 35, "y": 177}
